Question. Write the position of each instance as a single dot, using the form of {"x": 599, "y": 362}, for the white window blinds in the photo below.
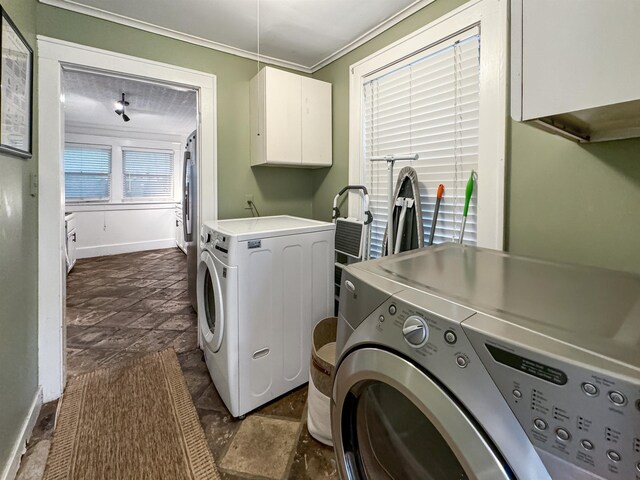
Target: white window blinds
{"x": 147, "y": 174}
{"x": 87, "y": 172}
{"x": 428, "y": 105}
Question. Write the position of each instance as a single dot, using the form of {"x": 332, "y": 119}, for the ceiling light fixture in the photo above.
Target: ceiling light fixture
{"x": 120, "y": 108}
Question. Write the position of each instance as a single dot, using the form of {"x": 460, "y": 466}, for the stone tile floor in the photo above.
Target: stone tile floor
{"x": 124, "y": 306}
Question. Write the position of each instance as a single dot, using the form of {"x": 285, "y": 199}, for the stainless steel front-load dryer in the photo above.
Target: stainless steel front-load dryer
{"x": 463, "y": 363}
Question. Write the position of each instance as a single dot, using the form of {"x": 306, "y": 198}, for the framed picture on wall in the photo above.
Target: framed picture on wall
{"x": 16, "y": 95}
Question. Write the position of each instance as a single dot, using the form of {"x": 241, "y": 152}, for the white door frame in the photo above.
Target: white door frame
{"x": 53, "y": 55}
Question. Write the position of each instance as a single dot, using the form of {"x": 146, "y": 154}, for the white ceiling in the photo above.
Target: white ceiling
{"x": 89, "y": 99}
{"x": 300, "y": 34}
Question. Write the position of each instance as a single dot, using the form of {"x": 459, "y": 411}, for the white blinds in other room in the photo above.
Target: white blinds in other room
{"x": 147, "y": 174}
{"x": 87, "y": 172}
{"x": 429, "y": 106}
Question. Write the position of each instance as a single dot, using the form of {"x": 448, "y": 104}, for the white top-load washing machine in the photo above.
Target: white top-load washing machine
{"x": 466, "y": 363}
{"x": 263, "y": 284}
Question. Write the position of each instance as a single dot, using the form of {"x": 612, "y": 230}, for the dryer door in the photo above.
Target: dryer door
{"x": 210, "y": 304}
{"x": 393, "y": 421}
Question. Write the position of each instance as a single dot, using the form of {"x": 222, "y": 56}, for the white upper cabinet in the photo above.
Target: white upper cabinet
{"x": 290, "y": 120}
{"x": 575, "y": 66}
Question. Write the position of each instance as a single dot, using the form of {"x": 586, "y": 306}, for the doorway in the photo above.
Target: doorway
{"x": 129, "y": 162}
{"x": 54, "y": 57}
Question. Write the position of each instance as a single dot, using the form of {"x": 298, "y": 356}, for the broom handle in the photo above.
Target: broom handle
{"x": 435, "y": 213}
{"x": 467, "y": 200}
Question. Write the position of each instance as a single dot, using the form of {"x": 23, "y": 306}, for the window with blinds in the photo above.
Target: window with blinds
{"x": 87, "y": 173}
{"x": 147, "y": 174}
{"x": 429, "y": 105}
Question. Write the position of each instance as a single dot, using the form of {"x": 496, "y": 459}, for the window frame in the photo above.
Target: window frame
{"x": 117, "y": 140}
{"x": 491, "y": 16}
{"x": 96, "y": 146}
{"x": 163, "y": 199}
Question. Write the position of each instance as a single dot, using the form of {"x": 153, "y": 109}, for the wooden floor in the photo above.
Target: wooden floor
{"x": 123, "y": 306}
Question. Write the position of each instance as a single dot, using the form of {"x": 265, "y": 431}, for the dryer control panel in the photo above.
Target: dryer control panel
{"x": 428, "y": 331}
{"x": 579, "y": 412}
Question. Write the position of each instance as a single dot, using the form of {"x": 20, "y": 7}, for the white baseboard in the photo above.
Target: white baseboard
{"x": 11, "y": 468}
{"x": 115, "y": 249}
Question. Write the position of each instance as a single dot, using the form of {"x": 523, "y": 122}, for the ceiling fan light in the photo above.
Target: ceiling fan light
{"x": 119, "y": 107}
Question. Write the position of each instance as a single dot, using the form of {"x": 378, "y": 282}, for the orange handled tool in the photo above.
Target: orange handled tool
{"x": 435, "y": 213}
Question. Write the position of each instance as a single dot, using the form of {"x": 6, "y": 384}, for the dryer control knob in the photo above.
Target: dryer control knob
{"x": 415, "y": 331}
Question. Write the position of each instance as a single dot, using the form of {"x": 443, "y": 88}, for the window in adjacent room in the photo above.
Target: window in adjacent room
{"x": 147, "y": 174}
{"x": 440, "y": 94}
{"x": 87, "y": 173}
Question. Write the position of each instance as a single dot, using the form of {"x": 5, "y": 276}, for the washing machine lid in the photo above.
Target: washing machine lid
{"x": 265, "y": 227}
{"x": 594, "y": 309}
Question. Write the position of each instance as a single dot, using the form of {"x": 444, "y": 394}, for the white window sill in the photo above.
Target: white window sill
{"x": 102, "y": 207}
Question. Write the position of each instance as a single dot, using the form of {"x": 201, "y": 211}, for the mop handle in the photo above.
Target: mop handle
{"x": 467, "y": 200}
{"x": 435, "y": 213}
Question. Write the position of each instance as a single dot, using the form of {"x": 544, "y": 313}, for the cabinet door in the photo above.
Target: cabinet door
{"x": 258, "y": 133}
{"x": 316, "y": 123}
{"x": 283, "y": 117}
{"x": 179, "y": 230}
{"x": 574, "y": 55}
{"x": 72, "y": 240}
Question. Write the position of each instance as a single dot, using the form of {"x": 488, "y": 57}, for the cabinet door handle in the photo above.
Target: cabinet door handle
{"x": 75, "y": 237}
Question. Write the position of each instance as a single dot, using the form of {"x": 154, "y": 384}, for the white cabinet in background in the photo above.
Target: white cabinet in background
{"x": 180, "y": 229}
{"x": 575, "y": 68}
{"x": 71, "y": 241}
{"x": 290, "y": 120}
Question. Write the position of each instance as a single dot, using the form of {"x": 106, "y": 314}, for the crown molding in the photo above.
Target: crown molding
{"x": 185, "y": 37}
{"x": 374, "y": 32}
{"x": 168, "y": 32}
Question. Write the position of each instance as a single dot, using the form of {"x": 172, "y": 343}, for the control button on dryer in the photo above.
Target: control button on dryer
{"x": 462, "y": 361}
{"x": 638, "y": 466}
{"x": 617, "y": 398}
{"x": 415, "y": 331}
{"x": 450, "y": 337}
{"x": 563, "y": 434}
{"x": 381, "y": 318}
{"x": 517, "y": 393}
{"x": 586, "y": 444}
{"x": 613, "y": 456}
{"x": 392, "y": 309}
{"x": 540, "y": 424}
{"x": 590, "y": 389}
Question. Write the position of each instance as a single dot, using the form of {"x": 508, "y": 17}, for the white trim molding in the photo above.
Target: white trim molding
{"x": 87, "y": 128}
{"x": 53, "y": 56}
{"x": 492, "y": 17}
{"x": 203, "y": 42}
{"x": 116, "y": 249}
{"x": 375, "y": 31}
{"x": 168, "y": 32}
{"x": 20, "y": 447}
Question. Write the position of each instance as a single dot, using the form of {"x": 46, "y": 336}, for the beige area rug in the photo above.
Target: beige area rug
{"x": 135, "y": 421}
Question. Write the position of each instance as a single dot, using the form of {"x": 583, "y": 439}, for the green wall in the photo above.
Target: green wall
{"x": 566, "y": 202}
{"x": 18, "y": 274}
{"x": 571, "y": 202}
{"x": 275, "y": 190}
